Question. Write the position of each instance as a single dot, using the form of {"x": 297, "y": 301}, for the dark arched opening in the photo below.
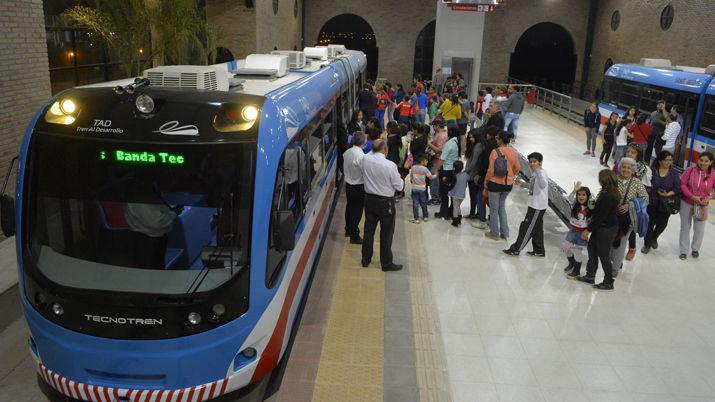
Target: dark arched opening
{"x": 544, "y": 55}
{"x": 424, "y": 52}
{"x": 223, "y": 55}
{"x": 356, "y": 34}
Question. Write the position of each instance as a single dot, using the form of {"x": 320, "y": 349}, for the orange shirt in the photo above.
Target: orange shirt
{"x": 512, "y": 162}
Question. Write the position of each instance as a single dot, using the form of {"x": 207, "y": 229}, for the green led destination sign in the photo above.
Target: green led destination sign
{"x": 142, "y": 157}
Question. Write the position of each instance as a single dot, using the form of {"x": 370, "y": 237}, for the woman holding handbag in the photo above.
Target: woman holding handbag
{"x": 664, "y": 198}
{"x": 697, "y": 185}
{"x": 630, "y": 188}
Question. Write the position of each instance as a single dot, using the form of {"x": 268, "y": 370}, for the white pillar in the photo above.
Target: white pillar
{"x": 458, "y": 38}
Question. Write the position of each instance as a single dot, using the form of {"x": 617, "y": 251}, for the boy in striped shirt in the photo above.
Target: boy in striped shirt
{"x": 418, "y": 176}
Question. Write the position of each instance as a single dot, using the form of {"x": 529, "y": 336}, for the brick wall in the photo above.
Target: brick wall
{"x": 237, "y": 24}
{"x": 396, "y": 25}
{"x": 503, "y": 29}
{"x": 258, "y": 29}
{"x": 689, "y": 41}
{"x": 281, "y": 30}
{"x": 24, "y": 73}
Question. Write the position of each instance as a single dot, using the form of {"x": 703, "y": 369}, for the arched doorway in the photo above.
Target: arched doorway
{"x": 544, "y": 55}
{"x": 223, "y": 55}
{"x": 356, "y": 34}
{"x": 424, "y": 51}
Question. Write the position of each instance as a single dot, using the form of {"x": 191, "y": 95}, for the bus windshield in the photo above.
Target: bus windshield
{"x": 138, "y": 217}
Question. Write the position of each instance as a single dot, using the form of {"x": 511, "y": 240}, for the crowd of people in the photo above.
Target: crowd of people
{"x": 447, "y": 147}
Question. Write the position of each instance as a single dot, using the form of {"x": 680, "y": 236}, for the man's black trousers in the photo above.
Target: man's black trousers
{"x": 355, "y": 194}
{"x": 382, "y": 210}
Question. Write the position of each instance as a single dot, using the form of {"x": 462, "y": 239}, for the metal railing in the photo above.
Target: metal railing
{"x": 556, "y": 103}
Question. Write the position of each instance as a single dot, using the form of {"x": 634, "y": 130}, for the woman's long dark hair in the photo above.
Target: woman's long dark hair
{"x": 470, "y": 145}
{"x": 355, "y": 116}
{"x": 609, "y": 183}
{"x": 576, "y": 205}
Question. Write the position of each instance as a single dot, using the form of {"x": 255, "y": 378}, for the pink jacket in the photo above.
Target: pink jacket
{"x": 696, "y": 183}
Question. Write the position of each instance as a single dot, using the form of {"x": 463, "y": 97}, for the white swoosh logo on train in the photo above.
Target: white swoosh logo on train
{"x": 173, "y": 128}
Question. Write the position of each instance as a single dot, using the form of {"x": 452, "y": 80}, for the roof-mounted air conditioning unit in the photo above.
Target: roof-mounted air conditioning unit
{"x": 339, "y": 49}
{"x": 332, "y": 51}
{"x": 296, "y": 59}
{"x": 320, "y": 53}
{"x": 264, "y": 64}
{"x": 656, "y": 63}
{"x": 212, "y": 78}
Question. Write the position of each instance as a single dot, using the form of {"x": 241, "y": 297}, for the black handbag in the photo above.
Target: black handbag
{"x": 624, "y": 220}
{"x": 670, "y": 205}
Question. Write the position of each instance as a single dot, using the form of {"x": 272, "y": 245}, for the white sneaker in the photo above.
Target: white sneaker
{"x": 478, "y": 224}
{"x": 417, "y": 221}
{"x": 424, "y": 219}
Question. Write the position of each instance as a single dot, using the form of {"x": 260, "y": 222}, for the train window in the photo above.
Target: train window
{"x": 650, "y": 99}
{"x": 291, "y": 192}
{"x": 629, "y": 95}
{"x": 608, "y": 87}
{"x": 707, "y": 123}
{"x": 315, "y": 151}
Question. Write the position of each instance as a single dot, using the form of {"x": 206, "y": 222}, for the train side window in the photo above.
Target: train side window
{"x": 629, "y": 95}
{"x": 707, "y": 121}
{"x": 315, "y": 151}
{"x": 290, "y": 192}
{"x": 650, "y": 99}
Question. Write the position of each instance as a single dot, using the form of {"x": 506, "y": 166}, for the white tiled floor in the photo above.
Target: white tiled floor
{"x": 515, "y": 329}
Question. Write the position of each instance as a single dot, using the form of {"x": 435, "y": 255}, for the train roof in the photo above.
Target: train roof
{"x": 687, "y": 81}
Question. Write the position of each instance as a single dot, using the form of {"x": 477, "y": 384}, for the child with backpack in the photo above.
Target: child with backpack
{"x": 574, "y": 244}
{"x": 458, "y": 185}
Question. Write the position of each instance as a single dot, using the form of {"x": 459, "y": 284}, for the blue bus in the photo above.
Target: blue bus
{"x": 635, "y": 86}
{"x": 167, "y": 227}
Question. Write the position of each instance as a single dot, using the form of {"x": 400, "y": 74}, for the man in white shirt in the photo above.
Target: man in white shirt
{"x": 381, "y": 181}
{"x": 487, "y": 99}
{"x": 354, "y": 187}
{"x": 532, "y": 228}
{"x": 672, "y": 131}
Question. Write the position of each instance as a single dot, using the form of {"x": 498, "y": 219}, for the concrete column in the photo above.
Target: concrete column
{"x": 458, "y": 38}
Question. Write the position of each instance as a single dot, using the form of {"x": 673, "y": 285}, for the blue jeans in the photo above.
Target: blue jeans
{"x": 620, "y": 152}
{"x": 511, "y": 123}
{"x": 420, "y": 117}
{"x": 434, "y": 187}
{"x": 498, "y": 223}
{"x": 419, "y": 199}
{"x": 381, "y": 117}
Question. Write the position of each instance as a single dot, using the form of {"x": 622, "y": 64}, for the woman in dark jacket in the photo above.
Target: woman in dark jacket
{"x": 418, "y": 145}
{"x": 665, "y": 184}
{"x": 609, "y": 138}
{"x": 394, "y": 142}
{"x": 480, "y": 172}
{"x": 591, "y": 121}
{"x": 357, "y": 123}
{"x": 475, "y": 145}
{"x": 602, "y": 229}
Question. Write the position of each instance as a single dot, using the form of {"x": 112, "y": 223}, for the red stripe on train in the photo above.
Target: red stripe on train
{"x": 270, "y": 355}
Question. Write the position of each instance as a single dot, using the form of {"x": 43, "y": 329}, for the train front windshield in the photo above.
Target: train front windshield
{"x": 138, "y": 217}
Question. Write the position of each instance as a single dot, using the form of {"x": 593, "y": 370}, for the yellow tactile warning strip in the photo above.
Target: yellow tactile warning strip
{"x": 351, "y": 363}
{"x": 431, "y": 366}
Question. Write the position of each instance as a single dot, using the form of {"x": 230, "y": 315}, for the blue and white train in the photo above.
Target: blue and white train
{"x": 692, "y": 89}
{"x": 167, "y": 230}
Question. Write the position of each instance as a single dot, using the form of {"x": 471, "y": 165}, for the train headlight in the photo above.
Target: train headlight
{"x": 194, "y": 318}
{"x": 68, "y": 106}
{"x": 235, "y": 117}
{"x": 144, "y": 103}
{"x": 248, "y": 353}
{"x": 57, "y": 309}
{"x": 63, "y": 111}
{"x": 249, "y": 113}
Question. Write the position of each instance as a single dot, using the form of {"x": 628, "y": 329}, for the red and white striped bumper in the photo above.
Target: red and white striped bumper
{"x": 95, "y": 393}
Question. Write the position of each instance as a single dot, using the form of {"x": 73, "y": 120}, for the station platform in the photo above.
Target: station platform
{"x": 464, "y": 322}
